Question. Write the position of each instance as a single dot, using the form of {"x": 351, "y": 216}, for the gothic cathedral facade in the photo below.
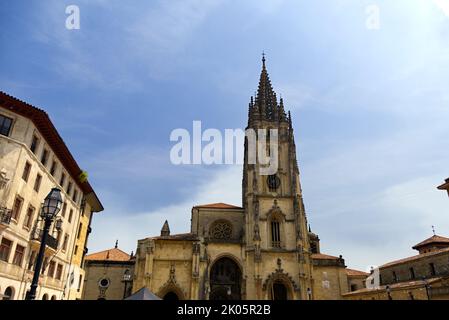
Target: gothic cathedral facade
{"x": 262, "y": 250}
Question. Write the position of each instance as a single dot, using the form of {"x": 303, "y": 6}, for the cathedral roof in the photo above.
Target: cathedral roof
{"x": 114, "y": 254}
{"x": 435, "y": 239}
{"x": 179, "y": 236}
{"x": 354, "y": 273}
{"x": 322, "y": 256}
{"x": 219, "y": 205}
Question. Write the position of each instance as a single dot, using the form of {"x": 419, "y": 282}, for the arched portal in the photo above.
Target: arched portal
{"x": 225, "y": 280}
{"x": 171, "y": 296}
{"x": 9, "y": 294}
{"x": 279, "y": 291}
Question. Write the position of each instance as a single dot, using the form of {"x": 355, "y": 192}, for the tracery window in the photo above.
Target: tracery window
{"x": 275, "y": 234}
{"x": 221, "y": 230}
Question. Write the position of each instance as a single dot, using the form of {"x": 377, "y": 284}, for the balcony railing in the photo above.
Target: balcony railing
{"x": 36, "y": 235}
{"x": 5, "y": 216}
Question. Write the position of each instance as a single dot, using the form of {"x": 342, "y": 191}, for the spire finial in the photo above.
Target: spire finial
{"x": 263, "y": 59}
{"x": 433, "y": 230}
{"x": 116, "y": 244}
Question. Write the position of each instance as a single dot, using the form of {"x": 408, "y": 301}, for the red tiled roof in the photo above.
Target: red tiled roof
{"x": 114, "y": 254}
{"x": 435, "y": 239}
{"x": 416, "y": 257}
{"x": 179, "y": 236}
{"x": 399, "y": 285}
{"x": 352, "y": 272}
{"x": 219, "y": 205}
{"x": 321, "y": 256}
{"x": 43, "y": 123}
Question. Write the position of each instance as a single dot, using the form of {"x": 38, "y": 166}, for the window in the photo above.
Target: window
{"x": 34, "y": 144}
{"x": 62, "y": 180}
{"x": 432, "y": 269}
{"x": 59, "y": 272}
{"x": 26, "y": 171}
{"x": 17, "y": 207}
{"x": 69, "y": 188}
{"x": 5, "y": 249}
{"x": 66, "y": 241}
{"x": 18, "y": 255}
{"x": 412, "y": 273}
{"x": 76, "y": 250}
{"x": 29, "y": 218}
{"x": 221, "y": 230}
{"x": 70, "y": 215}
{"x": 395, "y": 277}
{"x": 5, "y": 125}
{"x": 31, "y": 261}
{"x": 51, "y": 269}
{"x": 75, "y": 195}
{"x": 80, "y": 228}
{"x": 353, "y": 287}
{"x": 80, "y": 281}
{"x": 37, "y": 182}
{"x": 275, "y": 234}
{"x": 53, "y": 167}
{"x": 44, "y": 157}
{"x": 64, "y": 209}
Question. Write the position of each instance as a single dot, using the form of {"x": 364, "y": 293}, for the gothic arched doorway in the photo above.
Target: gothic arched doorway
{"x": 225, "y": 280}
{"x": 279, "y": 291}
{"x": 171, "y": 296}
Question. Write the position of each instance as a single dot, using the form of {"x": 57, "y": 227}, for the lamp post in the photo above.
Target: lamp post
{"x": 126, "y": 279}
{"x": 50, "y": 208}
{"x": 427, "y": 286}
{"x": 389, "y": 293}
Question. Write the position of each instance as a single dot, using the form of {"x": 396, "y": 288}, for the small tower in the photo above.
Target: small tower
{"x": 165, "y": 231}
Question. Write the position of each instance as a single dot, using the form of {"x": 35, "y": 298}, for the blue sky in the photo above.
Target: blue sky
{"x": 370, "y": 107}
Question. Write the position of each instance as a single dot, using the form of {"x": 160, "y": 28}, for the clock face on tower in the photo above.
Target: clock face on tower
{"x": 273, "y": 182}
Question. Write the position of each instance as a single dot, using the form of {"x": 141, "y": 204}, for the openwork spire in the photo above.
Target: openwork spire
{"x": 265, "y": 105}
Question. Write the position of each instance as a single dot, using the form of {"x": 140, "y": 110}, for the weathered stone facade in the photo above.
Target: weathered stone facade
{"x": 262, "y": 250}
{"x": 34, "y": 159}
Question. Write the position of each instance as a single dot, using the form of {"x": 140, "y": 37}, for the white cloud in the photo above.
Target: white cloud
{"x": 118, "y": 223}
{"x": 443, "y": 5}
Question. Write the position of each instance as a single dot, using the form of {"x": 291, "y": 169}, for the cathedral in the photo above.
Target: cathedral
{"x": 261, "y": 250}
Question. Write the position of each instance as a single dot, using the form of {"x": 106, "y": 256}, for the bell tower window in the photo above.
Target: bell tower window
{"x": 275, "y": 234}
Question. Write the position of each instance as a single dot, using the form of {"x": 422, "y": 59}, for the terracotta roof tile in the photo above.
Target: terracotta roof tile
{"x": 219, "y": 205}
{"x": 352, "y": 272}
{"x": 416, "y": 257}
{"x": 433, "y": 239}
{"x": 321, "y": 256}
{"x": 179, "y": 236}
{"x": 114, "y": 254}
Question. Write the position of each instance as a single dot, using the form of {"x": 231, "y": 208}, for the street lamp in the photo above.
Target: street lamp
{"x": 127, "y": 278}
{"x": 50, "y": 208}
{"x": 427, "y": 286}
{"x": 389, "y": 293}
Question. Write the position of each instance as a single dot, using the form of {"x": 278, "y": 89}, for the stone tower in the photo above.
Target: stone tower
{"x": 276, "y": 235}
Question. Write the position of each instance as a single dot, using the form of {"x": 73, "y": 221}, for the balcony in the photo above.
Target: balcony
{"x": 51, "y": 244}
{"x": 5, "y": 218}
